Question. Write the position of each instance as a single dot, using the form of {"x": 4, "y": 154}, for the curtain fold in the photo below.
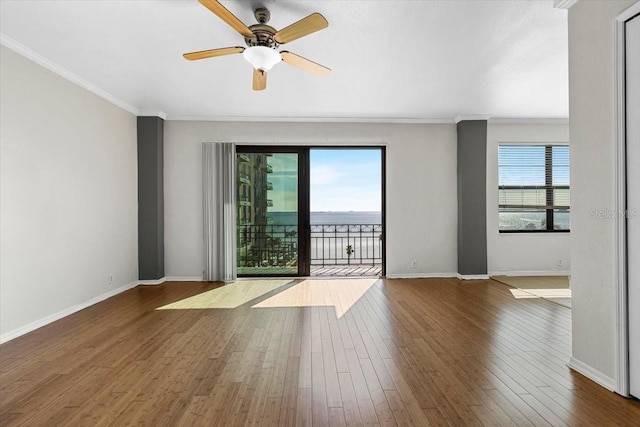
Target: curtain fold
{"x": 219, "y": 210}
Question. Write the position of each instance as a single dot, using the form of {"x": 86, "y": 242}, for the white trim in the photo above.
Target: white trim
{"x": 593, "y": 374}
{"x": 184, "y": 279}
{"x": 392, "y": 120}
{"x": 538, "y": 143}
{"x": 51, "y": 66}
{"x": 319, "y": 145}
{"x": 622, "y": 327}
{"x": 531, "y": 273}
{"x": 63, "y": 313}
{"x": 473, "y": 276}
{"x": 564, "y": 4}
{"x": 621, "y": 339}
{"x": 460, "y": 118}
{"x": 152, "y": 282}
{"x": 421, "y": 275}
{"x": 152, "y": 113}
{"x": 529, "y": 121}
{"x": 629, "y": 13}
{"x": 409, "y": 120}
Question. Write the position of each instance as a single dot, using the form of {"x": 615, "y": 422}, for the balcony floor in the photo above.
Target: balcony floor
{"x": 343, "y": 270}
{"x": 340, "y": 270}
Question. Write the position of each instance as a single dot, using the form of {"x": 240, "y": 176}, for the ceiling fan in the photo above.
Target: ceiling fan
{"x": 262, "y": 42}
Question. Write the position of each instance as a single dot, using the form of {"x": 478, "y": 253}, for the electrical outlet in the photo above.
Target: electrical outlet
{"x": 559, "y": 262}
{"x": 110, "y": 279}
{"x": 414, "y": 264}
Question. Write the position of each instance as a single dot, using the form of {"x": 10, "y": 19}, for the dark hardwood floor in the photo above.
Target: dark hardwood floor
{"x": 407, "y": 352}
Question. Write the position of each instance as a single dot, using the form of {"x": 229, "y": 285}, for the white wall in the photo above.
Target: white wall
{"x": 68, "y": 213}
{"x": 593, "y": 178}
{"x": 421, "y": 187}
{"x": 522, "y": 253}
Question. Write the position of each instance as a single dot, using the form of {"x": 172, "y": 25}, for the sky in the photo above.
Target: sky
{"x": 346, "y": 180}
{"x": 341, "y": 180}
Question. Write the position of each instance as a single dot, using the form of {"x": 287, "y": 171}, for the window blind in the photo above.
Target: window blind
{"x": 533, "y": 179}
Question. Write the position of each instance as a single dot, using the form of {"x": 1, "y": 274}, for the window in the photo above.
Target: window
{"x": 533, "y": 188}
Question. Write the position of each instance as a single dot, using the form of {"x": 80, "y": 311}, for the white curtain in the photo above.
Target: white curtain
{"x": 219, "y": 204}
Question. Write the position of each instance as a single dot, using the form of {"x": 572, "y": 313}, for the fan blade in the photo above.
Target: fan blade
{"x": 305, "y": 26}
{"x": 202, "y": 54}
{"x": 304, "y": 64}
{"x": 228, "y": 17}
{"x": 259, "y": 79}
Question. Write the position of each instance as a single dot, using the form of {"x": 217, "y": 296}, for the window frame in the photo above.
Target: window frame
{"x": 548, "y": 187}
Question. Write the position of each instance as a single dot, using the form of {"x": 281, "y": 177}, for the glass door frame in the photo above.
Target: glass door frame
{"x": 304, "y": 267}
{"x": 383, "y": 191}
{"x": 304, "y": 200}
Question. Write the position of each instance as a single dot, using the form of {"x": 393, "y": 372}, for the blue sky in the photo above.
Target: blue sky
{"x": 346, "y": 180}
{"x": 341, "y": 180}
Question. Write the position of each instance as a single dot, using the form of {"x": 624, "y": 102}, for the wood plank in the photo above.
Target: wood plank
{"x": 413, "y": 351}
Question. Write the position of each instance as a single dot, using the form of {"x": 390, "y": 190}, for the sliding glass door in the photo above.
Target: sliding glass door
{"x": 277, "y": 232}
{"x": 272, "y": 201}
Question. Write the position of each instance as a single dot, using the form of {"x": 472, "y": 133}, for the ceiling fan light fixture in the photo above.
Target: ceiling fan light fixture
{"x": 261, "y": 57}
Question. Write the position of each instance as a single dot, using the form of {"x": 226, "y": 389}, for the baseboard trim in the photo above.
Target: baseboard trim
{"x": 473, "y": 276}
{"x": 421, "y": 275}
{"x": 531, "y": 273}
{"x": 152, "y": 282}
{"x": 171, "y": 279}
{"x": 184, "y": 279}
{"x": 591, "y": 373}
{"x": 63, "y": 313}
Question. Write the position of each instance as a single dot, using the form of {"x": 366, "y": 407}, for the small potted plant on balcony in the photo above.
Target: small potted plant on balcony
{"x": 349, "y": 253}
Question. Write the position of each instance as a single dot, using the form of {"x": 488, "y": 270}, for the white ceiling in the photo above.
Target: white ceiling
{"x": 390, "y": 60}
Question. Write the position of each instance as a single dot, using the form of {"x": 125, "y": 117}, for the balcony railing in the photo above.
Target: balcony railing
{"x": 272, "y": 245}
{"x": 267, "y": 245}
{"x": 339, "y": 244}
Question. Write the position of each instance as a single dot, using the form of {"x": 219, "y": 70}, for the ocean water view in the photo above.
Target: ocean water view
{"x": 346, "y": 217}
{"x": 338, "y": 218}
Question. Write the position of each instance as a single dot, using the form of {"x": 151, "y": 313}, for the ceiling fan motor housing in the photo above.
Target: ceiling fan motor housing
{"x": 263, "y": 35}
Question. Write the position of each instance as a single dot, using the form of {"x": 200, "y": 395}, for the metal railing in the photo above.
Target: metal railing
{"x": 272, "y": 245}
{"x": 345, "y": 244}
{"x": 267, "y": 245}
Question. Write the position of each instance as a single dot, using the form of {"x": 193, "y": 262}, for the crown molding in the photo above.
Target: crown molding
{"x": 459, "y": 118}
{"x": 529, "y": 121}
{"x": 564, "y": 4}
{"x": 152, "y": 113}
{"x": 388, "y": 120}
{"x": 9, "y": 43}
{"x": 491, "y": 120}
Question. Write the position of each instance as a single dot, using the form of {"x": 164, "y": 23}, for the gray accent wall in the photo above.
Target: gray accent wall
{"x": 472, "y": 197}
{"x": 150, "y": 198}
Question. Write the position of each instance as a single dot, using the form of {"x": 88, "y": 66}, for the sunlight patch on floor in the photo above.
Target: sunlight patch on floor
{"x": 229, "y": 296}
{"x": 340, "y": 293}
{"x": 541, "y": 293}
